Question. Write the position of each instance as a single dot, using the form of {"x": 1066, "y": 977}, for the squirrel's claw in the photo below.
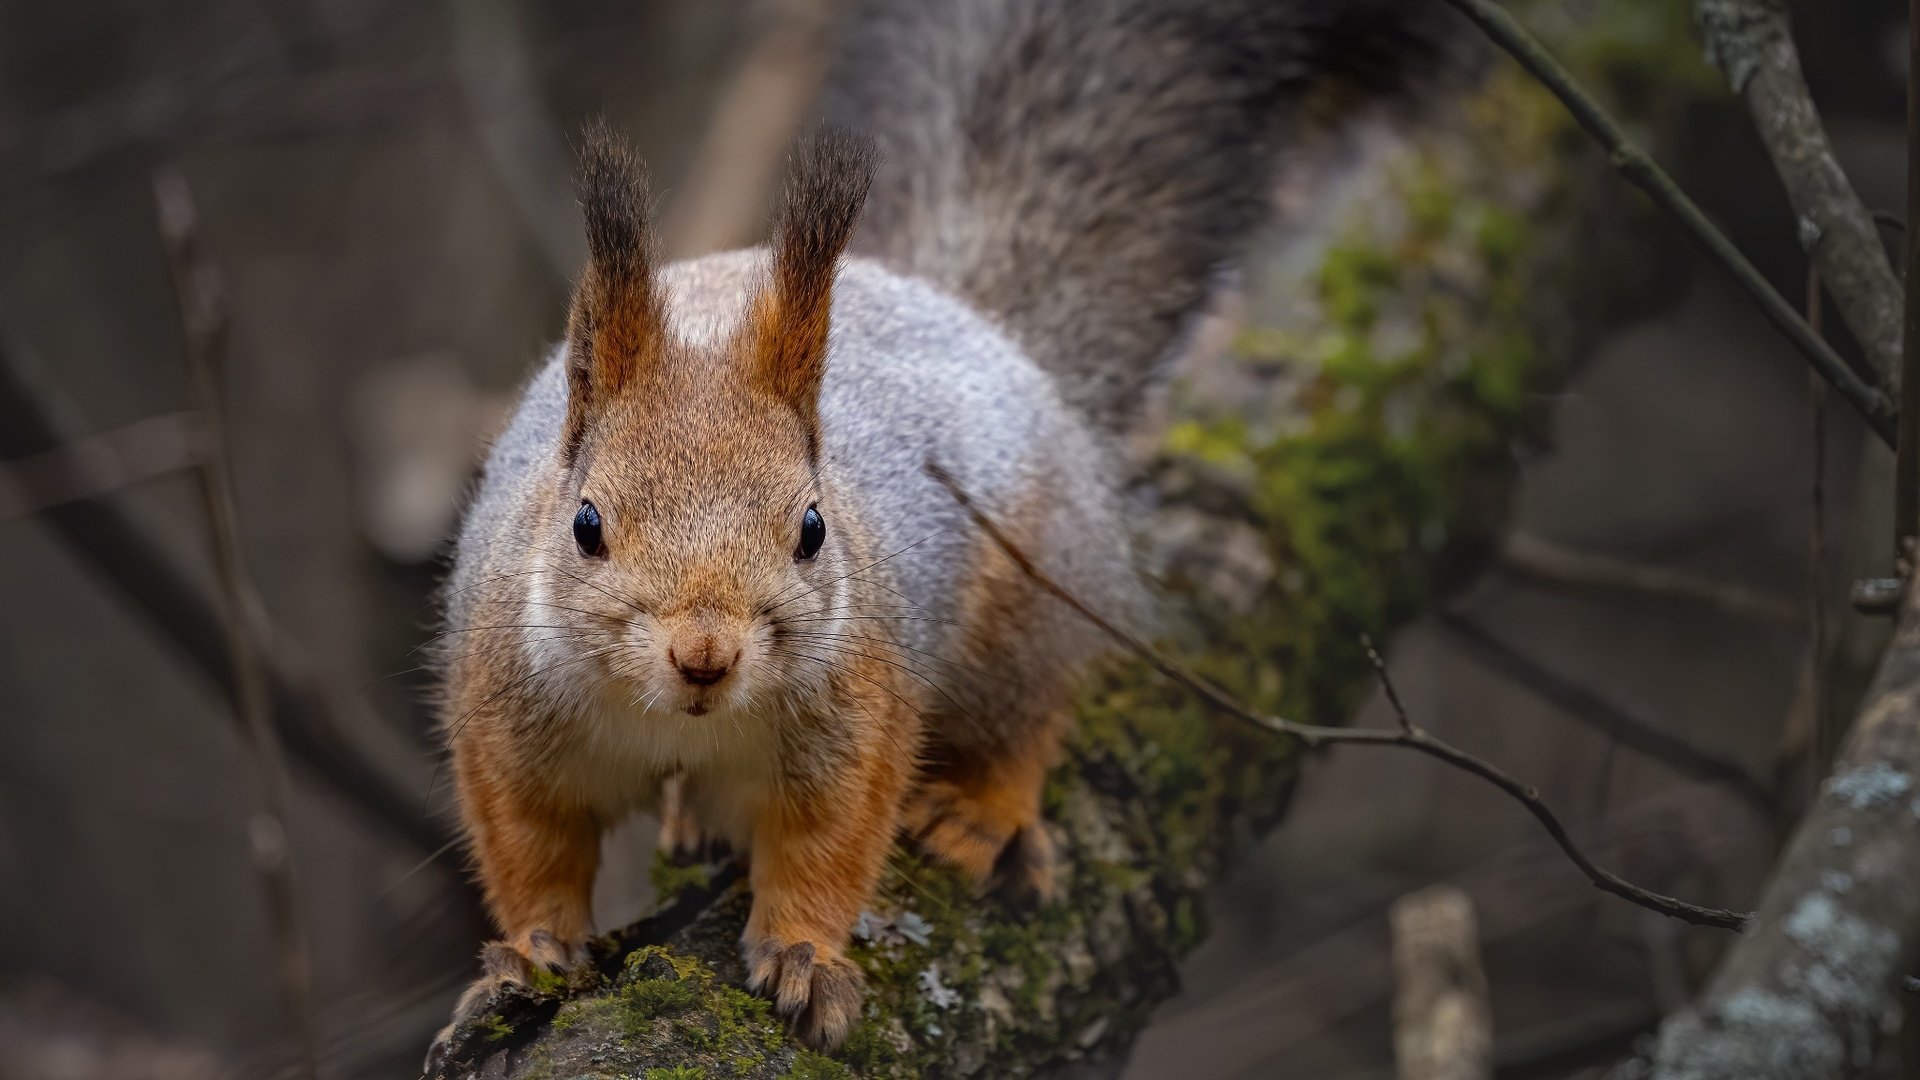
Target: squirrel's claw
{"x": 817, "y": 992}
{"x": 503, "y": 965}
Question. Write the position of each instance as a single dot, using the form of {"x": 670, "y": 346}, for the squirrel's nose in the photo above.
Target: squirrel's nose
{"x": 703, "y": 676}
{"x": 702, "y": 666}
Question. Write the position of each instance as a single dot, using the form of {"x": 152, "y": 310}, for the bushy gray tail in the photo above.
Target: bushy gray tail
{"x": 1080, "y": 169}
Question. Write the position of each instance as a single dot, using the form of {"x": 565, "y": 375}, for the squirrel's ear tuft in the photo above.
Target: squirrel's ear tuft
{"x": 617, "y": 325}
{"x": 827, "y": 182}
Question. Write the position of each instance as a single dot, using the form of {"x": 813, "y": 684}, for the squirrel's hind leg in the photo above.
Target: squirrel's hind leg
{"x": 682, "y": 838}
{"x": 980, "y": 812}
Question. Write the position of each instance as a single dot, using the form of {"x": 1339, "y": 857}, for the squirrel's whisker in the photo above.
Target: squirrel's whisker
{"x": 879, "y": 725}
{"x": 887, "y": 643}
{"x": 778, "y": 603}
{"x": 843, "y": 650}
{"x": 581, "y": 635}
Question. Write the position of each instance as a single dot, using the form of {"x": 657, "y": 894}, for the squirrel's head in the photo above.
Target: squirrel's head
{"x": 697, "y": 511}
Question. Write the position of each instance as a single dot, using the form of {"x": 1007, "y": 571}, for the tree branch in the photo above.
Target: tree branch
{"x": 1551, "y": 562}
{"x": 98, "y": 464}
{"x": 1596, "y": 712}
{"x": 1803, "y": 994}
{"x": 205, "y": 327}
{"x": 1442, "y": 1021}
{"x": 1751, "y": 42}
{"x": 1906, "y": 462}
{"x": 1160, "y": 789}
{"x": 150, "y": 579}
{"x": 1639, "y": 168}
{"x": 724, "y": 197}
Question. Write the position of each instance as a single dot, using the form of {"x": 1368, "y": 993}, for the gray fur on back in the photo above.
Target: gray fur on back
{"x": 1079, "y": 170}
{"x": 912, "y": 376}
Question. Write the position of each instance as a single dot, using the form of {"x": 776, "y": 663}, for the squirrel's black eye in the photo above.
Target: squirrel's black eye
{"x": 813, "y": 533}
{"x": 586, "y": 530}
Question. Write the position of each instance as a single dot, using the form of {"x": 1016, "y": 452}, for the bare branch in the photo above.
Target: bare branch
{"x": 1639, "y": 168}
{"x": 1587, "y": 707}
{"x": 1805, "y": 743}
{"x": 150, "y": 579}
{"x": 1442, "y": 1022}
{"x": 1751, "y": 41}
{"x": 724, "y": 198}
{"x": 1802, "y": 994}
{"x": 1409, "y": 735}
{"x": 205, "y": 326}
{"x": 98, "y": 464}
{"x": 1906, "y": 464}
{"x": 517, "y": 135}
{"x": 1548, "y": 561}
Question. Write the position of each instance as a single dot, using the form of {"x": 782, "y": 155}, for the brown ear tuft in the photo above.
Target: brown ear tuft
{"x": 617, "y": 325}
{"x": 827, "y": 181}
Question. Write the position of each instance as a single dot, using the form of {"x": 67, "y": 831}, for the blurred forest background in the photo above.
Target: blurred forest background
{"x": 384, "y": 188}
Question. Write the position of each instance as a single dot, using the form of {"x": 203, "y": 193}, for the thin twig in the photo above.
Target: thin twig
{"x": 1584, "y": 705}
{"x": 1639, "y": 169}
{"x": 93, "y": 466}
{"x": 204, "y": 324}
{"x": 1551, "y": 562}
{"x": 1821, "y": 743}
{"x": 1386, "y": 685}
{"x": 1409, "y": 734}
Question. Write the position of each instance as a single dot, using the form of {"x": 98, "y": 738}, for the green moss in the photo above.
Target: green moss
{"x": 1350, "y": 282}
{"x": 548, "y": 982}
{"x": 496, "y": 1028}
{"x": 678, "y": 1072}
{"x": 670, "y": 878}
{"x": 663, "y": 995}
{"x": 808, "y": 1065}
{"x": 867, "y": 1051}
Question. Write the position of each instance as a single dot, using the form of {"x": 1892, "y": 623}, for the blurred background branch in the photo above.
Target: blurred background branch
{"x": 205, "y": 328}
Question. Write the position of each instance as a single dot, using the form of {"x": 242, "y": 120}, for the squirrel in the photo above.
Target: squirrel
{"x": 708, "y": 555}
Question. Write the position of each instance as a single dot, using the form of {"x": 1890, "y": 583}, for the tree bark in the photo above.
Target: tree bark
{"x": 1442, "y": 1022}
{"x": 1751, "y": 42}
{"x": 1811, "y": 989}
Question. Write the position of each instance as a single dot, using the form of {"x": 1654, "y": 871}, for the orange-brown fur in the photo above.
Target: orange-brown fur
{"x": 977, "y": 806}
{"x": 697, "y": 461}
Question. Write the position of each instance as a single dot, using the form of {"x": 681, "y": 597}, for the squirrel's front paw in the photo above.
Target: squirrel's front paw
{"x": 813, "y": 988}
{"x": 503, "y": 965}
